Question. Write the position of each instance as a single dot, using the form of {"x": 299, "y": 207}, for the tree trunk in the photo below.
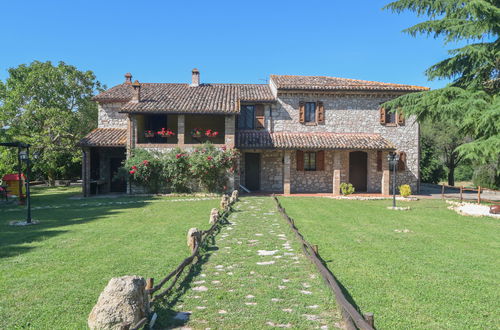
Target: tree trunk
{"x": 451, "y": 176}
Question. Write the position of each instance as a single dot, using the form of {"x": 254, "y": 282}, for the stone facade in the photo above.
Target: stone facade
{"x": 356, "y": 113}
{"x": 109, "y": 116}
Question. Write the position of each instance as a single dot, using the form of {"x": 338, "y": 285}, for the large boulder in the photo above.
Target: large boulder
{"x": 124, "y": 302}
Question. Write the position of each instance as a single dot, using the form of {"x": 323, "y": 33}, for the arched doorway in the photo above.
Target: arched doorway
{"x": 358, "y": 165}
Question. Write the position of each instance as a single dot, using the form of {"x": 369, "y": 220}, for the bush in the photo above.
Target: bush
{"x": 487, "y": 176}
{"x": 179, "y": 170}
{"x": 210, "y": 165}
{"x": 146, "y": 169}
{"x": 346, "y": 188}
{"x": 405, "y": 190}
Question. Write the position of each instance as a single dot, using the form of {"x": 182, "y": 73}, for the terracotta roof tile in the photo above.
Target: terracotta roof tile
{"x": 205, "y": 98}
{"x": 321, "y": 83}
{"x": 318, "y": 141}
{"x": 105, "y": 137}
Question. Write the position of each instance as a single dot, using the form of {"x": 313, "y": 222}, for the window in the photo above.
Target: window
{"x": 309, "y": 161}
{"x": 246, "y": 118}
{"x": 310, "y": 112}
{"x": 390, "y": 117}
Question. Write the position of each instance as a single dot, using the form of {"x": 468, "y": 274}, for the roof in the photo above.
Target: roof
{"x": 182, "y": 98}
{"x": 321, "y": 83}
{"x": 318, "y": 141}
{"x": 105, "y": 137}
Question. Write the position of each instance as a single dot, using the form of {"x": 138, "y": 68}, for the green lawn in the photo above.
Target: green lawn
{"x": 51, "y": 274}
{"x": 443, "y": 274}
{"x": 255, "y": 276}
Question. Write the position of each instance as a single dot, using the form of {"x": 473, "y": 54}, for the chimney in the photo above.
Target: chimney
{"x": 195, "y": 78}
{"x": 136, "y": 95}
{"x": 128, "y": 78}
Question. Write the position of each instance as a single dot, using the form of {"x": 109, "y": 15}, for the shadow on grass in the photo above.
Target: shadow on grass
{"x": 14, "y": 240}
{"x": 164, "y": 309}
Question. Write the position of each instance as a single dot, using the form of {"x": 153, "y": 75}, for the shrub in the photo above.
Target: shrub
{"x": 210, "y": 165}
{"x": 486, "y": 176}
{"x": 405, "y": 190}
{"x": 146, "y": 169}
{"x": 346, "y": 188}
{"x": 177, "y": 170}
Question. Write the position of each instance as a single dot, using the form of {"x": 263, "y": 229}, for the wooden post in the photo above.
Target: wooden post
{"x": 442, "y": 191}
{"x": 461, "y": 192}
{"x": 150, "y": 283}
{"x": 315, "y": 248}
{"x": 370, "y": 319}
{"x": 479, "y": 194}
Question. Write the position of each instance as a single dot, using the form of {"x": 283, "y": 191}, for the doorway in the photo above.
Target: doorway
{"x": 252, "y": 171}
{"x": 358, "y": 165}
{"x": 117, "y": 184}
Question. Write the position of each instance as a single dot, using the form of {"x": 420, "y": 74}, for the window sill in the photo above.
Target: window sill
{"x": 311, "y": 124}
{"x": 391, "y": 125}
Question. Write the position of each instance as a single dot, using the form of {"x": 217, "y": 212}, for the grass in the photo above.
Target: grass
{"x": 443, "y": 274}
{"x": 240, "y": 293}
{"x": 51, "y": 274}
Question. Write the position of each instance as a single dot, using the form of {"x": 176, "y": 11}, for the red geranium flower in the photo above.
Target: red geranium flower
{"x": 134, "y": 167}
{"x": 132, "y": 172}
{"x": 209, "y": 157}
{"x": 145, "y": 162}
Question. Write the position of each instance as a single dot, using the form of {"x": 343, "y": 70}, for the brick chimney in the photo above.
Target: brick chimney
{"x": 136, "y": 95}
{"x": 128, "y": 78}
{"x": 195, "y": 78}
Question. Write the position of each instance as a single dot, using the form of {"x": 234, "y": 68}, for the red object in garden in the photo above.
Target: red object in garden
{"x": 211, "y": 133}
{"x": 12, "y": 182}
{"x": 166, "y": 133}
{"x": 495, "y": 209}
{"x": 196, "y": 132}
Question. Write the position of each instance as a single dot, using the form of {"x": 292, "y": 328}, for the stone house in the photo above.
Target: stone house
{"x": 297, "y": 134}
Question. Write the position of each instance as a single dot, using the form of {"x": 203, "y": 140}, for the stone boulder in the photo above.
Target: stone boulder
{"x": 124, "y": 302}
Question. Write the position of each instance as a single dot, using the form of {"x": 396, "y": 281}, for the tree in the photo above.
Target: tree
{"x": 49, "y": 107}
{"x": 472, "y": 98}
{"x": 443, "y": 138}
{"x": 431, "y": 167}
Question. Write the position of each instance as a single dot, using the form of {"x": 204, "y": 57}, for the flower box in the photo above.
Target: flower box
{"x": 149, "y": 134}
{"x": 166, "y": 133}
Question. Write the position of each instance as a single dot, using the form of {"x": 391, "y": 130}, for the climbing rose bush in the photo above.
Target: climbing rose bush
{"x": 210, "y": 166}
{"x": 177, "y": 170}
{"x": 146, "y": 169}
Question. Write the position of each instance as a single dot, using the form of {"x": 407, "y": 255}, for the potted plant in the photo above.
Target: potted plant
{"x": 149, "y": 134}
{"x": 211, "y": 133}
{"x": 166, "y": 133}
{"x": 196, "y": 133}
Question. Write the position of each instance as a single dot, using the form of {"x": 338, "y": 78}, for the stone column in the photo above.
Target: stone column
{"x": 286, "y": 173}
{"x": 337, "y": 167}
{"x": 86, "y": 172}
{"x": 386, "y": 174}
{"x": 229, "y": 131}
{"x": 181, "y": 130}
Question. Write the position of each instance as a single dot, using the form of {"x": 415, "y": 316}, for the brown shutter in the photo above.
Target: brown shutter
{"x": 300, "y": 160}
{"x": 379, "y": 161}
{"x": 320, "y": 113}
{"x": 401, "y": 117}
{"x": 302, "y": 111}
{"x": 382, "y": 115}
{"x": 259, "y": 116}
{"x": 320, "y": 160}
{"x": 402, "y": 161}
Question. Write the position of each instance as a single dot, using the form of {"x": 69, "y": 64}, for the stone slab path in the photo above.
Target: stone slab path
{"x": 256, "y": 277}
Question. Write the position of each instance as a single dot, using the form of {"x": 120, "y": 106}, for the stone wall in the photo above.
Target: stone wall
{"x": 109, "y": 117}
{"x": 271, "y": 169}
{"x": 352, "y": 114}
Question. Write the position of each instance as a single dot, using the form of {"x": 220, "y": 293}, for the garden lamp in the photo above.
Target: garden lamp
{"x": 25, "y": 157}
{"x": 393, "y": 159}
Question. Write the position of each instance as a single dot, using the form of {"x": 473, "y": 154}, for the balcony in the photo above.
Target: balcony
{"x": 167, "y": 131}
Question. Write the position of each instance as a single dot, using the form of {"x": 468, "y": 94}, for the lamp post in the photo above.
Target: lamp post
{"x": 25, "y": 157}
{"x": 393, "y": 159}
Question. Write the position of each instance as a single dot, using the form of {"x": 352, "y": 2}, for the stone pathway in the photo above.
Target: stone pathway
{"x": 258, "y": 278}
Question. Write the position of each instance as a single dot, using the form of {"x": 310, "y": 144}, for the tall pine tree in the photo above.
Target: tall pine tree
{"x": 472, "y": 98}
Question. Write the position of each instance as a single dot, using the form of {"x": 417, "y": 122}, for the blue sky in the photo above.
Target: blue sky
{"x": 228, "y": 41}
